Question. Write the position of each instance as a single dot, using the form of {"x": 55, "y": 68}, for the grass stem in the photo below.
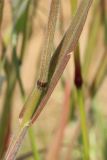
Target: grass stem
{"x": 33, "y": 144}
{"x": 83, "y": 123}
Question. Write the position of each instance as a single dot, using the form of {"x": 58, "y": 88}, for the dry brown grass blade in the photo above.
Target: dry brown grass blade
{"x": 54, "y": 148}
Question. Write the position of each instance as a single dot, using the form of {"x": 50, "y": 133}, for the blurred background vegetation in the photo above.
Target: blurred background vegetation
{"x": 56, "y": 133}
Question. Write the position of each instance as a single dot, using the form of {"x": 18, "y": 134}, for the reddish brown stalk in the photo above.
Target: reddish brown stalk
{"x": 54, "y": 150}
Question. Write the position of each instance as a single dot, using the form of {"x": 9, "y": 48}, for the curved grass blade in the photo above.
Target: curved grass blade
{"x": 48, "y": 43}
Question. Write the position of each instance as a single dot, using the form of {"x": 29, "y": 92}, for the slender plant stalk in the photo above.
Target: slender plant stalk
{"x": 101, "y": 71}
{"x": 25, "y": 33}
{"x": 33, "y": 144}
{"x": 78, "y": 84}
{"x": 83, "y": 124}
{"x": 80, "y": 99}
{"x": 48, "y": 46}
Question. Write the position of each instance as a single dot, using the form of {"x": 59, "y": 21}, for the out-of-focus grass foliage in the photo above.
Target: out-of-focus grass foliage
{"x": 81, "y": 111}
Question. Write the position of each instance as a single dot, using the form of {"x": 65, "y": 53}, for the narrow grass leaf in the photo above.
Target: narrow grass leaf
{"x": 48, "y": 43}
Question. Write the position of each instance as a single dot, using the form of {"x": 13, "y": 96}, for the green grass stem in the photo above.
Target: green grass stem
{"x": 83, "y": 123}
{"x": 33, "y": 143}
